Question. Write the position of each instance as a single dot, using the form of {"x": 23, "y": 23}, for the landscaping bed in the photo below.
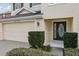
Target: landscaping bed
{"x": 27, "y": 52}
{"x": 71, "y": 52}
{"x": 37, "y": 47}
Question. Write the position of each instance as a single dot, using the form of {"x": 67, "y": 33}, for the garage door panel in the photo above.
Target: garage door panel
{"x": 18, "y": 31}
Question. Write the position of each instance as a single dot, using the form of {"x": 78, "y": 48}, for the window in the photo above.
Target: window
{"x": 18, "y": 5}
{"x": 34, "y": 4}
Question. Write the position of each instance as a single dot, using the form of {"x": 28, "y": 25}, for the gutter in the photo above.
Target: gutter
{"x": 39, "y": 16}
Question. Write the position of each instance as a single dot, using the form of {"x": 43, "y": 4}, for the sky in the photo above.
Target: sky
{"x": 5, "y": 7}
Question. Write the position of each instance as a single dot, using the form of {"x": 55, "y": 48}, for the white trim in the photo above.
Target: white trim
{"x": 55, "y": 4}
{"x": 58, "y": 21}
{"x": 18, "y": 21}
{"x": 29, "y": 9}
{"x": 22, "y": 18}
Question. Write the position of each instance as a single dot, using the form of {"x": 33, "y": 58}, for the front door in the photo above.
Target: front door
{"x": 58, "y": 30}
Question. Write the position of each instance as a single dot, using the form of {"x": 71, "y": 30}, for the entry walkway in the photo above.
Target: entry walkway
{"x": 57, "y": 47}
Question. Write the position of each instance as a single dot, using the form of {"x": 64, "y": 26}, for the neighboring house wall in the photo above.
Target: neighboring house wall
{"x": 4, "y": 15}
{"x": 7, "y": 14}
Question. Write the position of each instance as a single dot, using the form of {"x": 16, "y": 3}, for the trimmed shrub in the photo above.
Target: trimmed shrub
{"x": 70, "y": 40}
{"x": 47, "y": 48}
{"x": 36, "y": 39}
{"x": 71, "y": 52}
{"x": 27, "y": 52}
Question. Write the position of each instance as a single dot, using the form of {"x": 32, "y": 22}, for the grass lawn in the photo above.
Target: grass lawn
{"x": 71, "y": 52}
{"x": 27, "y": 52}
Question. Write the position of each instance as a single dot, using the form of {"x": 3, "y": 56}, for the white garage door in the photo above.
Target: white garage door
{"x": 18, "y": 31}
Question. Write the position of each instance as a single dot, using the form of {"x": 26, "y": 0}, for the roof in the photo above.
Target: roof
{"x": 28, "y": 16}
{"x": 24, "y": 15}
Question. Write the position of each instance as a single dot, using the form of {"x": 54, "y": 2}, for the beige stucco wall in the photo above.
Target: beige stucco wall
{"x": 26, "y": 5}
{"x": 49, "y": 26}
{"x": 36, "y": 8}
{"x": 41, "y": 26}
{"x": 62, "y": 11}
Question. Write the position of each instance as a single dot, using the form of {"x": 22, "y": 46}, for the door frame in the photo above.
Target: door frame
{"x": 59, "y": 22}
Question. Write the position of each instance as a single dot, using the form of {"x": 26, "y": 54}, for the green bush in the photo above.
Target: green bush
{"x": 71, "y": 52}
{"x": 47, "y": 48}
{"x": 70, "y": 40}
{"x": 36, "y": 39}
{"x": 27, "y": 52}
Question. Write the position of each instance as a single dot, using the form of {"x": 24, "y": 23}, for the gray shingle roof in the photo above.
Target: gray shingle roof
{"x": 24, "y": 15}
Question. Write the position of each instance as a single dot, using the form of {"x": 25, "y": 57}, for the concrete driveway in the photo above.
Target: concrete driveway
{"x": 6, "y": 45}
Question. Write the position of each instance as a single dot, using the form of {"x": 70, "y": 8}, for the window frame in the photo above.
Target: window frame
{"x": 34, "y": 4}
{"x": 15, "y": 6}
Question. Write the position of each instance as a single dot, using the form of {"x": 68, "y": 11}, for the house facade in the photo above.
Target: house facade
{"x": 54, "y": 19}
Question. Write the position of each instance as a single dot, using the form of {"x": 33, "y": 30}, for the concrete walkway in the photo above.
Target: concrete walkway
{"x": 57, "y": 47}
{"x": 57, "y": 51}
{"x": 6, "y": 45}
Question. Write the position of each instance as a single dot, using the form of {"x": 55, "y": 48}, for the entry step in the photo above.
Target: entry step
{"x": 57, "y": 44}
